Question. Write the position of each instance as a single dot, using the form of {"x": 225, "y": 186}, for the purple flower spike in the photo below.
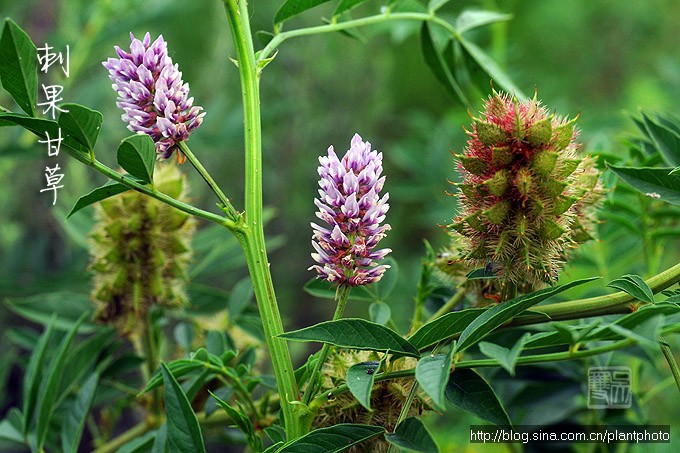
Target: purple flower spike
{"x": 152, "y": 95}
{"x": 350, "y": 204}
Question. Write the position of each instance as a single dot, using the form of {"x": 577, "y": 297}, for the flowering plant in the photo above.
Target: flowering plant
{"x": 155, "y": 359}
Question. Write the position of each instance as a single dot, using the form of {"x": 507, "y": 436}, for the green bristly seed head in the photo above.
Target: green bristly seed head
{"x": 501, "y": 156}
{"x": 568, "y": 166}
{"x": 552, "y": 187}
{"x": 498, "y": 183}
{"x": 563, "y": 135}
{"x": 498, "y": 212}
{"x": 523, "y": 181}
{"x": 550, "y": 230}
{"x": 474, "y": 165}
{"x": 528, "y": 194}
{"x": 540, "y": 132}
{"x": 489, "y": 134}
{"x": 140, "y": 249}
{"x": 543, "y": 162}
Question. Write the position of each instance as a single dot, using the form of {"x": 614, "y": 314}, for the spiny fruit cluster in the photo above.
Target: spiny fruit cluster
{"x": 524, "y": 193}
{"x": 140, "y": 248}
{"x": 387, "y": 397}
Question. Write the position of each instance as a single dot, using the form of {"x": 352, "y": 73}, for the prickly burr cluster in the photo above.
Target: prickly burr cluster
{"x": 525, "y": 192}
{"x": 350, "y": 204}
{"x": 140, "y": 249}
{"x": 387, "y": 397}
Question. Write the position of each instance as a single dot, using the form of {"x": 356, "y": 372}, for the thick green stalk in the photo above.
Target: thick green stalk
{"x": 343, "y": 294}
{"x": 598, "y": 306}
{"x": 251, "y": 236}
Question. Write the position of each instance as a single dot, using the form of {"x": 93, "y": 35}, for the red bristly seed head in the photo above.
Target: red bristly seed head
{"x": 524, "y": 193}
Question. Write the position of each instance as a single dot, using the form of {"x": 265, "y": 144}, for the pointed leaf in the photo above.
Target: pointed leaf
{"x": 41, "y": 128}
{"x": 50, "y": 384}
{"x": 469, "y": 391}
{"x": 137, "y": 155}
{"x": 242, "y": 422}
{"x": 635, "y": 286}
{"x": 432, "y": 373}
{"x": 19, "y": 66}
{"x": 491, "y": 68}
{"x": 354, "y": 333}
{"x": 66, "y": 305}
{"x": 413, "y": 435}
{"x": 666, "y": 140}
{"x": 470, "y": 19}
{"x": 333, "y": 439}
{"x": 72, "y": 429}
{"x": 436, "y": 63}
{"x": 240, "y": 297}
{"x": 444, "y": 327}
{"x": 33, "y": 375}
{"x": 183, "y": 430}
{"x": 109, "y": 189}
{"x": 161, "y": 441}
{"x": 360, "y": 379}
{"x": 653, "y": 182}
{"x": 292, "y": 8}
{"x": 346, "y": 5}
{"x": 506, "y": 357}
{"x": 178, "y": 368}
{"x": 499, "y": 314}
{"x": 81, "y": 123}
{"x": 379, "y": 312}
{"x": 11, "y": 428}
{"x": 388, "y": 281}
{"x": 434, "y": 5}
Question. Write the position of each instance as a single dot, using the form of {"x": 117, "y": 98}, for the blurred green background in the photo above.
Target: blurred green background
{"x": 599, "y": 58}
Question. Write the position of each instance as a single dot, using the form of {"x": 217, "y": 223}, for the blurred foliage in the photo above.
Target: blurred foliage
{"x": 597, "y": 57}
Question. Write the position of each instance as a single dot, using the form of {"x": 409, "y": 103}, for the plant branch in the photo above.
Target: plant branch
{"x": 228, "y": 208}
{"x": 609, "y": 304}
{"x": 132, "y": 433}
{"x": 525, "y": 360}
{"x": 342, "y": 295}
{"x": 251, "y": 236}
{"x": 388, "y": 16}
{"x": 147, "y": 190}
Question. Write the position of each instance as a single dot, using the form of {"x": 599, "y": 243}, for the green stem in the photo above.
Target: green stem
{"x": 251, "y": 236}
{"x": 342, "y": 296}
{"x": 361, "y": 22}
{"x": 668, "y": 354}
{"x": 452, "y": 302}
{"x": 610, "y": 304}
{"x": 133, "y": 433}
{"x": 228, "y": 208}
{"x": 151, "y": 354}
{"x": 90, "y": 161}
{"x": 404, "y": 411}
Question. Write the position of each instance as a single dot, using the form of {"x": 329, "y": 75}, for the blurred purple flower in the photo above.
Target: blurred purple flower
{"x": 152, "y": 94}
{"x": 350, "y": 204}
